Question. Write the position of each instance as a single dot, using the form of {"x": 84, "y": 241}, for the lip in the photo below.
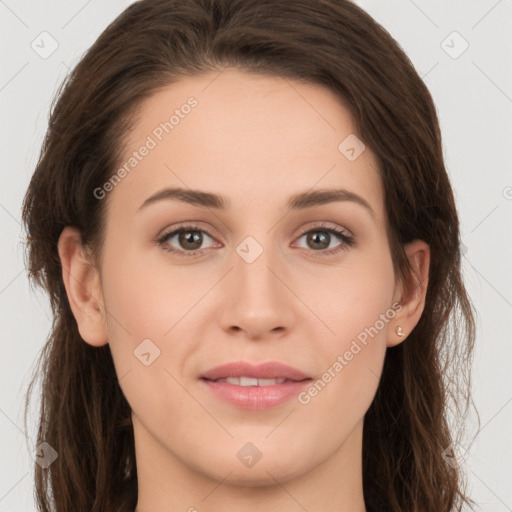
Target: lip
{"x": 268, "y": 370}
{"x": 256, "y": 397}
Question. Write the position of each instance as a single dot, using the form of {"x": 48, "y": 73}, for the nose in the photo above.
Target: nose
{"x": 258, "y": 302}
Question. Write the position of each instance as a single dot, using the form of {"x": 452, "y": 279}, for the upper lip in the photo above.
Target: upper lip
{"x": 269, "y": 370}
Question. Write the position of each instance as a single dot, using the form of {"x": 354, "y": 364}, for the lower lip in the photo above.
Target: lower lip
{"x": 256, "y": 397}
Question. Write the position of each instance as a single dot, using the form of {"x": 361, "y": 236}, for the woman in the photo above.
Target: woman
{"x": 243, "y": 220}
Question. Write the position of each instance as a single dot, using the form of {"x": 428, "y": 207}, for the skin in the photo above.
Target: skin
{"x": 256, "y": 140}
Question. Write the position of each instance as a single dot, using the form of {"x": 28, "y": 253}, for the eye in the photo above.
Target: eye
{"x": 189, "y": 239}
{"x": 320, "y": 238}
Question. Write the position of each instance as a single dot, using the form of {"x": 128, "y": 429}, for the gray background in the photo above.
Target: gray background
{"x": 473, "y": 94}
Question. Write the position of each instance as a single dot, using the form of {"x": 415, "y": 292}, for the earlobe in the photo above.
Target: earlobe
{"x": 412, "y": 292}
{"x": 83, "y": 287}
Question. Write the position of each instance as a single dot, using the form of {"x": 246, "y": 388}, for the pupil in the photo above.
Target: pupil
{"x": 319, "y": 236}
{"x": 188, "y": 238}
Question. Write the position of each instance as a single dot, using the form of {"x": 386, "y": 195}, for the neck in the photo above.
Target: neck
{"x": 165, "y": 482}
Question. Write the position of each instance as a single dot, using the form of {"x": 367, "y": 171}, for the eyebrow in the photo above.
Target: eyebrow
{"x": 296, "y": 202}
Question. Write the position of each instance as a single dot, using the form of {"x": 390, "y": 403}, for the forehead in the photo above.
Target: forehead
{"x": 253, "y": 138}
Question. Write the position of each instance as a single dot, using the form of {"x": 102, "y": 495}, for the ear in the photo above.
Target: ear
{"x": 83, "y": 287}
{"x": 411, "y": 293}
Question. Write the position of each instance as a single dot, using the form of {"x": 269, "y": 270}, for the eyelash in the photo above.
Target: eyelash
{"x": 347, "y": 240}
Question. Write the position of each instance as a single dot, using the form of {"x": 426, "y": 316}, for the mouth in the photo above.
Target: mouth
{"x": 255, "y": 375}
{"x": 255, "y": 387}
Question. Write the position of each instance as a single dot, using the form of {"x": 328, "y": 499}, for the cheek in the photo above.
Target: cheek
{"x": 355, "y": 297}
{"x": 146, "y": 323}
{"x": 146, "y": 298}
{"x": 356, "y": 306}
{"x": 152, "y": 301}
{"x": 137, "y": 310}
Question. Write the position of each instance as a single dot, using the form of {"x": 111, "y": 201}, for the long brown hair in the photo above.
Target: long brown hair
{"x": 84, "y": 415}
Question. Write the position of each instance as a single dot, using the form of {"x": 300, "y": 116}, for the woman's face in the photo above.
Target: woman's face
{"x": 257, "y": 276}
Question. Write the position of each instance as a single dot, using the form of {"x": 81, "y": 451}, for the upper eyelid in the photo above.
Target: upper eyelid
{"x": 326, "y": 225}
{"x": 197, "y": 227}
{"x": 185, "y": 226}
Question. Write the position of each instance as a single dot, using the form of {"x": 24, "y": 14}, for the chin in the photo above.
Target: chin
{"x": 264, "y": 473}
{"x": 246, "y": 478}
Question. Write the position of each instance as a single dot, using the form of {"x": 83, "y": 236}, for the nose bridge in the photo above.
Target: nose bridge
{"x": 255, "y": 268}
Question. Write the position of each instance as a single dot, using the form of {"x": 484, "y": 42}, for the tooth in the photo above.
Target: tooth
{"x": 251, "y": 381}
{"x": 248, "y": 381}
{"x": 270, "y": 382}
